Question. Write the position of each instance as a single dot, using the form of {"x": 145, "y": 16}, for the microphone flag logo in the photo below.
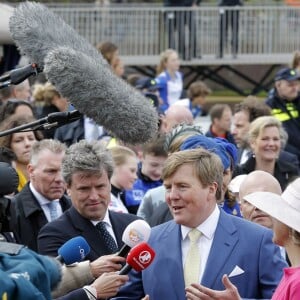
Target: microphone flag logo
{"x": 135, "y": 236}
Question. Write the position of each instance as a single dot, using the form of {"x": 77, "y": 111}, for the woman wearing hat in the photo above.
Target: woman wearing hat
{"x": 285, "y": 212}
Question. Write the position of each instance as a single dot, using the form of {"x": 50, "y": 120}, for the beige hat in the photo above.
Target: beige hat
{"x": 235, "y": 183}
{"x": 284, "y": 208}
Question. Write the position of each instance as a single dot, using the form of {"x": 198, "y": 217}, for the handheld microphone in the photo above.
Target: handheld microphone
{"x": 82, "y": 75}
{"x": 74, "y": 250}
{"x": 18, "y": 75}
{"x": 139, "y": 258}
{"x": 136, "y": 232}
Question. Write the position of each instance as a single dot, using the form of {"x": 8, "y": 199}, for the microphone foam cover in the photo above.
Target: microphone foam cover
{"x": 99, "y": 94}
{"x": 36, "y": 30}
{"x": 140, "y": 257}
{"x": 74, "y": 250}
{"x": 136, "y": 232}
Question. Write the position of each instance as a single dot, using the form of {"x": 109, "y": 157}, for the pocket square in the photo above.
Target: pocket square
{"x": 236, "y": 271}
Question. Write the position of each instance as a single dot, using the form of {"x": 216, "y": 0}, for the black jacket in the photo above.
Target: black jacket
{"x": 28, "y": 217}
{"x": 70, "y": 133}
{"x": 280, "y": 108}
{"x": 284, "y": 171}
{"x": 71, "y": 224}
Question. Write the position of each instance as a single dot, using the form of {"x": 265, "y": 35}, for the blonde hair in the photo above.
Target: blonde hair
{"x": 45, "y": 92}
{"x": 259, "y": 124}
{"x": 120, "y": 154}
{"x": 164, "y": 56}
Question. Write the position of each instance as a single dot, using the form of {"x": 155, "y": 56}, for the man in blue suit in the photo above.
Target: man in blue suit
{"x": 227, "y": 244}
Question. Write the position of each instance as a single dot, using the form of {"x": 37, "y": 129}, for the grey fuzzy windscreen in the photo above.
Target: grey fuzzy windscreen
{"x": 98, "y": 93}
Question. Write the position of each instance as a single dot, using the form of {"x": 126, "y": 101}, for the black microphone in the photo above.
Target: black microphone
{"x": 52, "y": 120}
{"x": 81, "y": 74}
{"x": 61, "y": 118}
{"x": 18, "y": 75}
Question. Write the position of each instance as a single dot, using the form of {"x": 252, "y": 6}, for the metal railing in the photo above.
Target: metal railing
{"x": 143, "y": 32}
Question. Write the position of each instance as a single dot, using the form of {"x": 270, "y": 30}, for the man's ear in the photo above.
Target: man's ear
{"x": 213, "y": 189}
{"x": 30, "y": 170}
{"x": 68, "y": 190}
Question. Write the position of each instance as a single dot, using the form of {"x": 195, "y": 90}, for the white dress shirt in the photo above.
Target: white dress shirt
{"x": 207, "y": 228}
{"x": 44, "y": 203}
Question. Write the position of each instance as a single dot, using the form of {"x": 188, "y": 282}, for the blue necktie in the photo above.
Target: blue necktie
{"x": 53, "y": 210}
{"x": 108, "y": 239}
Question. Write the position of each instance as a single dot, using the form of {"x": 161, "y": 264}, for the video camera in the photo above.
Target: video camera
{"x": 8, "y": 184}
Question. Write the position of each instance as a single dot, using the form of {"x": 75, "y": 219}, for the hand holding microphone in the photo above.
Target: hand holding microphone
{"x": 108, "y": 284}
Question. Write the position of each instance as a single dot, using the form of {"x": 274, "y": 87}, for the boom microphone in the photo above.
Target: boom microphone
{"x": 18, "y": 75}
{"x": 101, "y": 95}
{"x": 81, "y": 74}
{"x": 74, "y": 250}
{"x": 36, "y": 30}
{"x": 136, "y": 232}
{"x": 139, "y": 258}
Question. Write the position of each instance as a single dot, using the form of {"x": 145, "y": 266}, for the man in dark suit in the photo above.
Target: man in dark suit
{"x": 42, "y": 199}
{"x": 87, "y": 169}
{"x": 224, "y": 244}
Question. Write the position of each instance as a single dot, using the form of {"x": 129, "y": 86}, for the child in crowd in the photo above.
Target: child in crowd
{"x": 197, "y": 93}
{"x": 123, "y": 177}
{"x": 149, "y": 172}
{"x": 169, "y": 79}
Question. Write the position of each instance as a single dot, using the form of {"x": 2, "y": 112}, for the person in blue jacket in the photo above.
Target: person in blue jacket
{"x": 149, "y": 172}
{"x": 169, "y": 80}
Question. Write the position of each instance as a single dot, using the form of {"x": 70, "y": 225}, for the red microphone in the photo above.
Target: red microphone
{"x": 138, "y": 258}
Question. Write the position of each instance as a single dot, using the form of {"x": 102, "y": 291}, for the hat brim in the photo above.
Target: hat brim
{"x": 275, "y": 206}
{"x": 293, "y": 78}
{"x": 235, "y": 183}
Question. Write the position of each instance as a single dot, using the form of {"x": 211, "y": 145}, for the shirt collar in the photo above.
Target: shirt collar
{"x": 40, "y": 198}
{"x": 207, "y": 228}
{"x": 106, "y": 220}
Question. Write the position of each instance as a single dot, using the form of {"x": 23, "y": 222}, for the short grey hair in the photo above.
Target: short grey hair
{"x": 90, "y": 157}
{"x": 54, "y": 146}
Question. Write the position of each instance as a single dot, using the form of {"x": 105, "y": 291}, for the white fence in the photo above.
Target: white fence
{"x": 146, "y": 31}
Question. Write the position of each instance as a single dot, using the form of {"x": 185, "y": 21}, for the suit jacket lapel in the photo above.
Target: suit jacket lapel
{"x": 173, "y": 266}
{"x": 223, "y": 244}
{"x": 88, "y": 231}
{"x": 116, "y": 228}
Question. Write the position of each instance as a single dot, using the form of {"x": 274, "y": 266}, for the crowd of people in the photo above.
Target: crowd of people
{"x": 212, "y": 241}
